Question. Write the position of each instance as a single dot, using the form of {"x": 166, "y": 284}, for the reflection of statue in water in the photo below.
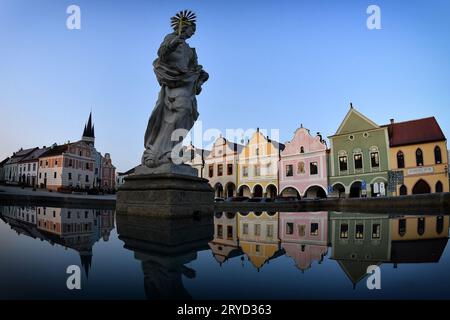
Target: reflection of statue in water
{"x": 180, "y": 77}
{"x": 164, "y": 247}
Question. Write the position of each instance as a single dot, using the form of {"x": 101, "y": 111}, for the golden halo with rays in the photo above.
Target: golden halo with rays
{"x": 181, "y": 19}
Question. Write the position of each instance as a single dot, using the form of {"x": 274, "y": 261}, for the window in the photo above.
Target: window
{"x": 46, "y": 163}
{"x": 245, "y": 171}
{"x": 54, "y": 175}
{"x": 359, "y": 231}
{"x": 419, "y": 157}
{"x": 70, "y": 163}
{"x": 343, "y": 233}
{"x": 245, "y": 228}
{"x": 229, "y": 169}
{"x": 29, "y": 167}
{"x": 56, "y": 163}
{"x": 68, "y": 215}
{"x": 40, "y": 163}
{"x": 34, "y": 166}
{"x": 376, "y": 231}
{"x": 219, "y": 231}
{"x": 439, "y": 224}
{"x": 403, "y": 190}
{"x": 289, "y": 228}
{"x": 96, "y": 171}
{"x": 257, "y": 248}
{"x": 301, "y": 167}
{"x": 421, "y": 226}
{"x": 439, "y": 187}
{"x": 87, "y": 165}
{"x": 40, "y": 175}
{"x": 375, "y": 159}
{"x": 401, "y": 227}
{"x": 400, "y": 160}
{"x": 314, "y": 229}
{"x": 86, "y": 214}
{"x": 343, "y": 163}
{"x": 313, "y": 168}
{"x": 302, "y": 149}
{"x": 257, "y": 230}
{"x": 229, "y": 232}
{"x": 289, "y": 170}
{"x": 87, "y": 178}
{"x": 70, "y": 175}
{"x": 437, "y": 155}
{"x": 358, "y": 161}
{"x": 80, "y": 153}
{"x": 301, "y": 230}
{"x": 257, "y": 151}
{"x": 257, "y": 170}
{"x": 220, "y": 170}
{"x": 270, "y": 231}
{"x": 211, "y": 171}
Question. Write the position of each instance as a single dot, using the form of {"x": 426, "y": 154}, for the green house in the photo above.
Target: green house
{"x": 358, "y": 241}
{"x": 359, "y": 158}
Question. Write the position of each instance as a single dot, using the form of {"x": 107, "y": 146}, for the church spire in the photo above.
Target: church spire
{"x": 88, "y": 133}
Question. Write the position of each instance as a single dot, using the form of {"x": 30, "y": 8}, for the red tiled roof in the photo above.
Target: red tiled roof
{"x": 54, "y": 151}
{"x": 414, "y": 131}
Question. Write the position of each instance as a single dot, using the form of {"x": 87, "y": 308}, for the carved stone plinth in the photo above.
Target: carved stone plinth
{"x": 165, "y": 195}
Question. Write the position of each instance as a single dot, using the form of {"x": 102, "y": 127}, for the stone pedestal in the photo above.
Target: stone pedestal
{"x": 165, "y": 193}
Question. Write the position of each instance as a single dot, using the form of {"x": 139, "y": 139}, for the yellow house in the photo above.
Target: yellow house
{"x": 418, "y": 148}
{"x": 409, "y": 228}
{"x": 258, "y": 237}
{"x": 258, "y": 167}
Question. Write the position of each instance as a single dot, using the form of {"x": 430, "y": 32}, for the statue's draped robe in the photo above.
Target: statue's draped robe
{"x": 180, "y": 77}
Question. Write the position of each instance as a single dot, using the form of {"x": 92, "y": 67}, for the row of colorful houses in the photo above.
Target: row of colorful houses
{"x": 364, "y": 159}
{"x": 57, "y": 167}
{"x": 357, "y": 240}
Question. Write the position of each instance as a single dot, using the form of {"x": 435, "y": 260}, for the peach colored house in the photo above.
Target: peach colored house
{"x": 304, "y": 236}
{"x": 303, "y": 166}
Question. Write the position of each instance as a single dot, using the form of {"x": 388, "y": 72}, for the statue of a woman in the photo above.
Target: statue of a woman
{"x": 180, "y": 77}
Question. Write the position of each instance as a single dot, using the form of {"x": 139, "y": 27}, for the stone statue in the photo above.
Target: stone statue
{"x": 181, "y": 78}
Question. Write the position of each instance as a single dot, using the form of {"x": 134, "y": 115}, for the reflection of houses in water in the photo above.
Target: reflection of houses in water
{"x": 164, "y": 247}
{"x": 258, "y": 237}
{"x": 418, "y": 239}
{"x": 304, "y": 236}
{"x": 361, "y": 240}
{"x": 225, "y": 244}
{"x": 77, "y": 229}
{"x": 358, "y": 241}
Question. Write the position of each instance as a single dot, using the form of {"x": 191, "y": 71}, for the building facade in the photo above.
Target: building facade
{"x": 195, "y": 157}
{"x": 67, "y": 166}
{"x": 258, "y": 237}
{"x": 303, "y": 166}
{"x": 418, "y": 149}
{"x": 225, "y": 244}
{"x": 359, "y": 159}
{"x": 258, "y": 167}
{"x": 29, "y": 167}
{"x": 359, "y": 241}
{"x": 108, "y": 177}
{"x": 2, "y": 170}
{"x": 304, "y": 236}
{"x": 221, "y": 167}
{"x": 11, "y": 167}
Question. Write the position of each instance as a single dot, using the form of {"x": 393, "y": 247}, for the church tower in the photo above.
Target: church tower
{"x": 88, "y": 133}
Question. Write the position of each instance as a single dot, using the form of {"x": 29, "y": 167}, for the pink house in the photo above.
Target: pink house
{"x": 304, "y": 236}
{"x": 303, "y": 166}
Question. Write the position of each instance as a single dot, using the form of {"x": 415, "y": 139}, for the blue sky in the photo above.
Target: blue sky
{"x": 272, "y": 64}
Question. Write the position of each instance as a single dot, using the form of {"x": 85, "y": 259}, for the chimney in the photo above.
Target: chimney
{"x": 351, "y": 105}
{"x": 257, "y": 129}
{"x": 392, "y": 121}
